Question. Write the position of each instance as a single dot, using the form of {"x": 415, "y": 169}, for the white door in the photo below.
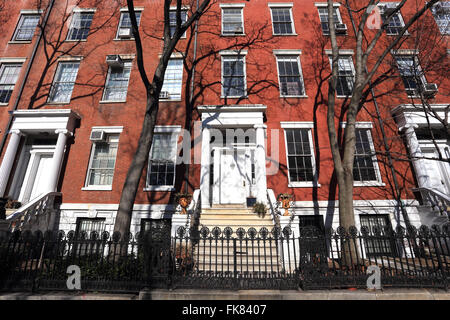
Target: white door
{"x": 232, "y": 177}
{"x": 438, "y": 171}
{"x": 35, "y": 181}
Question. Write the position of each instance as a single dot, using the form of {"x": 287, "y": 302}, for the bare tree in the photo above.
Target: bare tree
{"x": 364, "y": 80}
{"x": 152, "y": 89}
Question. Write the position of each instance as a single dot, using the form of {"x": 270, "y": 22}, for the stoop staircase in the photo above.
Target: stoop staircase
{"x": 244, "y": 255}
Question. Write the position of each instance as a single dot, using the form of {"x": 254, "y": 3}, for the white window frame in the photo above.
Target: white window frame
{"x": 308, "y": 126}
{"x": 398, "y": 13}
{"x": 23, "y": 14}
{"x": 126, "y": 61}
{"x": 174, "y": 57}
{"x": 62, "y": 61}
{"x": 236, "y": 54}
{"x": 433, "y": 10}
{"x": 122, "y": 12}
{"x": 80, "y": 11}
{"x": 108, "y": 131}
{"x": 9, "y": 61}
{"x": 185, "y": 9}
{"x": 342, "y": 53}
{"x": 414, "y": 55}
{"x": 233, "y": 6}
{"x": 172, "y": 130}
{"x": 321, "y": 5}
{"x": 285, "y": 6}
{"x": 374, "y": 183}
{"x": 297, "y": 53}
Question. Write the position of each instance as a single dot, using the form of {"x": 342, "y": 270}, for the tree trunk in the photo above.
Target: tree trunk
{"x": 131, "y": 185}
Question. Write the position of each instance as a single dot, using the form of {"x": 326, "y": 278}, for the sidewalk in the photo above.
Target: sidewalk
{"x": 387, "y": 294}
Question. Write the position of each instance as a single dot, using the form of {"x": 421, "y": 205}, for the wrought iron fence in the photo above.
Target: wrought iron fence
{"x": 227, "y": 259}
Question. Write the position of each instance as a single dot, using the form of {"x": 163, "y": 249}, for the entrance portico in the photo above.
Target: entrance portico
{"x": 233, "y": 165}
{"x": 40, "y": 158}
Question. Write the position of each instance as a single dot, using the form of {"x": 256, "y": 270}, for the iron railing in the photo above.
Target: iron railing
{"x": 227, "y": 259}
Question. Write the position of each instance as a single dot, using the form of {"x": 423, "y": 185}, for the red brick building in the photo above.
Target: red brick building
{"x": 72, "y": 103}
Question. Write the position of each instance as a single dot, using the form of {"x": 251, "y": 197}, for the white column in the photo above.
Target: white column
{"x": 58, "y": 158}
{"x": 414, "y": 148}
{"x": 8, "y": 159}
{"x": 260, "y": 164}
{"x": 205, "y": 168}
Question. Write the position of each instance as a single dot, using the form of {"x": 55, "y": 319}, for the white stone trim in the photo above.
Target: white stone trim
{"x": 280, "y": 4}
{"x": 30, "y": 11}
{"x": 70, "y": 58}
{"x": 360, "y": 125}
{"x": 233, "y": 52}
{"x": 342, "y": 52}
{"x": 125, "y": 9}
{"x": 84, "y": 10}
{"x": 280, "y": 52}
{"x": 297, "y": 124}
{"x": 168, "y": 128}
{"x": 12, "y": 60}
{"x": 116, "y": 129}
{"x": 325, "y": 4}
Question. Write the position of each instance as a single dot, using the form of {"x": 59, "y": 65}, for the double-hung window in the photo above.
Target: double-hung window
{"x": 365, "y": 167}
{"x": 411, "y": 73}
{"x": 116, "y": 86}
{"x": 233, "y": 76}
{"x": 378, "y": 245}
{"x": 124, "y": 29}
{"x": 26, "y": 27}
{"x": 232, "y": 20}
{"x": 64, "y": 81}
{"x": 103, "y": 160}
{"x": 324, "y": 21}
{"x": 441, "y": 13}
{"x": 173, "y": 80}
{"x": 173, "y": 20}
{"x": 282, "y": 20}
{"x": 395, "y": 23}
{"x": 344, "y": 86}
{"x": 162, "y": 160}
{"x": 9, "y": 72}
{"x": 80, "y": 26}
{"x": 290, "y": 75}
{"x": 299, "y": 154}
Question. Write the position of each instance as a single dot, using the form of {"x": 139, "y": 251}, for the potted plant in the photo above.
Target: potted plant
{"x": 285, "y": 199}
{"x": 183, "y": 199}
{"x": 260, "y": 208}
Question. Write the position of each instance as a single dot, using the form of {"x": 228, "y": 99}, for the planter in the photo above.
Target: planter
{"x": 251, "y": 201}
{"x": 184, "y": 200}
{"x": 285, "y": 200}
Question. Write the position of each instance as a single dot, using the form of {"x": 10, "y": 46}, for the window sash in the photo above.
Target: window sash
{"x": 364, "y": 164}
{"x": 103, "y": 161}
{"x": 233, "y": 76}
{"x": 125, "y": 20}
{"x": 299, "y": 155}
{"x": 410, "y": 71}
{"x": 232, "y": 21}
{"x": 64, "y": 82}
{"x": 290, "y": 76}
{"x": 81, "y": 25}
{"x": 282, "y": 21}
{"x": 27, "y": 27}
{"x": 162, "y": 160}
{"x": 173, "y": 21}
{"x": 377, "y": 245}
{"x": 8, "y": 76}
{"x": 116, "y": 87}
{"x": 442, "y": 17}
{"x": 323, "y": 16}
{"x": 345, "y": 80}
{"x": 173, "y": 78}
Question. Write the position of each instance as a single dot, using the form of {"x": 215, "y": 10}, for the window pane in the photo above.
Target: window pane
{"x": 173, "y": 79}
{"x": 291, "y": 82}
{"x": 117, "y": 84}
{"x": 281, "y": 18}
{"x": 232, "y": 21}
{"x": 233, "y": 76}
{"x": 441, "y": 13}
{"x": 161, "y": 170}
{"x": 103, "y": 161}
{"x": 125, "y": 21}
{"x": 27, "y": 27}
{"x": 173, "y": 20}
{"x": 81, "y": 24}
{"x": 363, "y": 165}
{"x": 299, "y": 155}
{"x": 64, "y": 82}
{"x": 8, "y": 77}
